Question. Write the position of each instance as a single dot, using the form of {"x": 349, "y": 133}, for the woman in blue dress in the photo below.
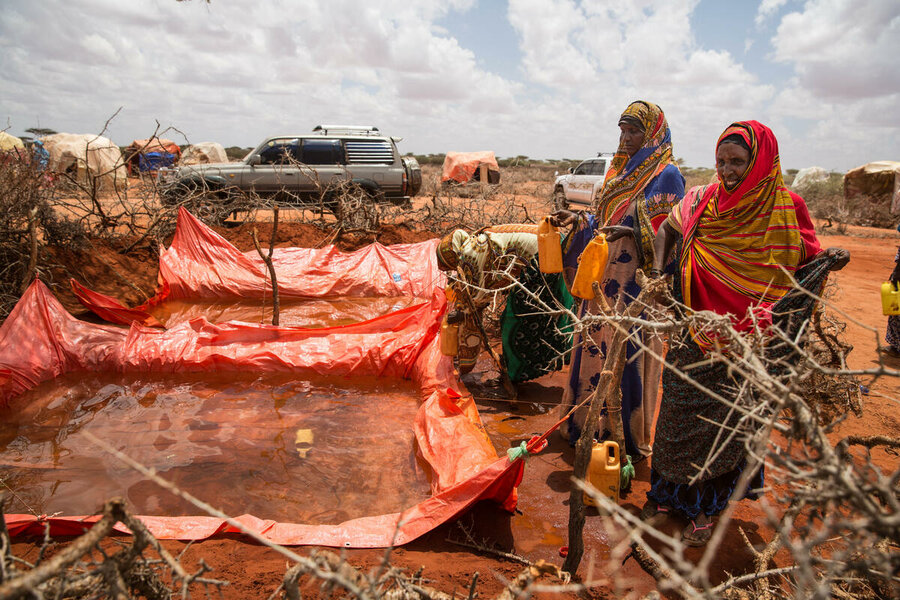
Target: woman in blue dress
{"x": 640, "y": 189}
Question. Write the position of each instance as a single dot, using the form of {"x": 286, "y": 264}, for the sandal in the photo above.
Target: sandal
{"x": 696, "y": 536}
{"x": 653, "y": 512}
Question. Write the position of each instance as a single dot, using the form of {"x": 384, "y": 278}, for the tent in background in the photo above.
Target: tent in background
{"x": 808, "y": 176}
{"x": 149, "y": 155}
{"x": 11, "y": 147}
{"x": 10, "y": 142}
{"x": 90, "y": 158}
{"x": 203, "y": 153}
{"x": 879, "y": 180}
{"x": 463, "y": 167}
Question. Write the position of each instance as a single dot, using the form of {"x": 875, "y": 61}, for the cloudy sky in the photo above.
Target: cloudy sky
{"x": 540, "y": 78}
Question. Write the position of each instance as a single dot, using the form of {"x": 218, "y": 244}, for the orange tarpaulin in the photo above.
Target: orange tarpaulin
{"x": 40, "y": 340}
{"x": 154, "y": 145}
{"x": 461, "y": 167}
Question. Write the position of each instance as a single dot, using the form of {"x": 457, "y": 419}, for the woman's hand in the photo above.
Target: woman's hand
{"x": 614, "y": 232}
{"x": 842, "y": 257}
{"x": 895, "y": 275}
{"x": 562, "y": 218}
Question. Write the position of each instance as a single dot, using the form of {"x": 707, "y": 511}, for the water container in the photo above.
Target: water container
{"x": 549, "y": 247}
{"x": 449, "y": 338}
{"x": 890, "y": 298}
{"x": 603, "y": 471}
{"x": 591, "y": 266}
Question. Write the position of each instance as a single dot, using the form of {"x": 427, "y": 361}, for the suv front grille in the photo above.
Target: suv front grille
{"x": 369, "y": 153}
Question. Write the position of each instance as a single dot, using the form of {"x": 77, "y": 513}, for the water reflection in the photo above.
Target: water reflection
{"x": 313, "y": 450}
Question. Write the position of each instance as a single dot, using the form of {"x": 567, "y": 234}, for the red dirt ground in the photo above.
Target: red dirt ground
{"x": 538, "y": 529}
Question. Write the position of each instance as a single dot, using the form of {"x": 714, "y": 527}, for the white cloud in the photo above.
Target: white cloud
{"x": 237, "y": 72}
{"x": 602, "y": 55}
{"x": 840, "y": 108}
{"x": 767, "y": 8}
{"x": 843, "y": 49}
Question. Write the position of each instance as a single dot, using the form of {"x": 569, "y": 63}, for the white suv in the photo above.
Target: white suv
{"x": 580, "y": 185}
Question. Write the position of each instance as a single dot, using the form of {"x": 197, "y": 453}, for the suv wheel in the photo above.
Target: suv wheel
{"x": 559, "y": 199}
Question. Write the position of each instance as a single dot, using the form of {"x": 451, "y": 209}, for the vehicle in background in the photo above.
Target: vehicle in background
{"x": 580, "y": 186}
{"x": 306, "y": 169}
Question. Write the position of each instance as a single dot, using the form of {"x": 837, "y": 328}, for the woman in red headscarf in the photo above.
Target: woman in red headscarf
{"x": 742, "y": 243}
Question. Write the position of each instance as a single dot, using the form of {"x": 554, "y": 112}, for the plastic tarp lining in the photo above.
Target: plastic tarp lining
{"x": 201, "y": 264}
{"x": 41, "y": 340}
{"x": 462, "y": 166}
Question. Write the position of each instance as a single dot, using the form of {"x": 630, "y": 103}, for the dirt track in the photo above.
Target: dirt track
{"x": 539, "y": 529}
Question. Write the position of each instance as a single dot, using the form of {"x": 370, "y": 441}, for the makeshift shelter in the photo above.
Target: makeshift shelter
{"x": 203, "y": 153}
{"x": 464, "y": 167}
{"x": 92, "y": 159}
{"x": 808, "y": 176}
{"x": 11, "y": 147}
{"x": 143, "y": 156}
{"x": 879, "y": 180}
{"x": 10, "y": 142}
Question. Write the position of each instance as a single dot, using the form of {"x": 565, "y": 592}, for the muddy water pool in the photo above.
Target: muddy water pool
{"x": 312, "y": 449}
{"x": 295, "y": 313}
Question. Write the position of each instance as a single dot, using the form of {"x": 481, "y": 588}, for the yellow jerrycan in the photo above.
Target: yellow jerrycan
{"x": 890, "y": 298}
{"x": 591, "y": 266}
{"x": 549, "y": 247}
{"x": 603, "y": 471}
{"x": 449, "y": 338}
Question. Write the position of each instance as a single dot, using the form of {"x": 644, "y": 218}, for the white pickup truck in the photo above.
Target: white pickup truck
{"x": 580, "y": 185}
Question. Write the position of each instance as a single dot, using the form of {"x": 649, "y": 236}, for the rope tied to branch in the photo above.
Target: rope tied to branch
{"x": 520, "y": 451}
{"x": 536, "y": 443}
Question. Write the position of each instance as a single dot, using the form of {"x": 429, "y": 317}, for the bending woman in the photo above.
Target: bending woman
{"x": 488, "y": 263}
{"x": 641, "y": 186}
{"x": 740, "y": 243}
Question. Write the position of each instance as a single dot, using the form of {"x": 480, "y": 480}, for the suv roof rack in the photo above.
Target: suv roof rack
{"x": 606, "y": 154}
{"x": 346, "y": 129}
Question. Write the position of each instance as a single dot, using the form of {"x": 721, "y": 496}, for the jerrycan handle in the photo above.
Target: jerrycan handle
{"x": 611, "y": 453}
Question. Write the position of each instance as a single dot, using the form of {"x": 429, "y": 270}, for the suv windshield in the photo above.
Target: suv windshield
{"x": 279, "y": 152}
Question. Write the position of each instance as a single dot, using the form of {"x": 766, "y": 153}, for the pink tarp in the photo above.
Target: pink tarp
{"x": 40, "y": 340}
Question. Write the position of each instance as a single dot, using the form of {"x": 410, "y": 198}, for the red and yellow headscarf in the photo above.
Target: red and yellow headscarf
{"x": 737, "y": 241}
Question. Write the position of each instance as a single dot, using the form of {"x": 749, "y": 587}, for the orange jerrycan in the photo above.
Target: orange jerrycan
{"x": 449, "y": 338}
{"x": 591, "y": 266}
{"x": 603, "y": 471}
{"x": 890, "y": 298}
{"x": 549, "y": 247}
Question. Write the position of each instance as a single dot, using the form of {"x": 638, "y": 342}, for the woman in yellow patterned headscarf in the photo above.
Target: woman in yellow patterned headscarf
{"x": 641, "y": 186}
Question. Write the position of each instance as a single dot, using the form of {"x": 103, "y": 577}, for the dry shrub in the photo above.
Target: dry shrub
{"x": 28, "y": 223}
{"x": 697, "y": 176}
{"x": 826, "y": 200}
{"x": 831, "y": 396}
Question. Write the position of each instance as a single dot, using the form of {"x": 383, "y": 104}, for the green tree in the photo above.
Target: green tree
{"x": 40, "y": 131}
